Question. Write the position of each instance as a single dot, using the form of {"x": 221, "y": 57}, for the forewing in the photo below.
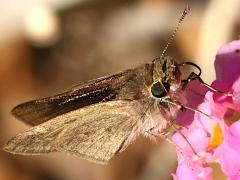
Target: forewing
{"x": 127, "y": 85}
{"x": 95, "y": 133}
{"x": 38, "y": 111}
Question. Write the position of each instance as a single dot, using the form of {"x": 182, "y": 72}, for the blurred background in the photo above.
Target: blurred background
{"x": 47, "y": 46}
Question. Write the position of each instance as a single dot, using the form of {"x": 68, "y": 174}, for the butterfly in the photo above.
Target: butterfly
{"x": 100, "y": 118}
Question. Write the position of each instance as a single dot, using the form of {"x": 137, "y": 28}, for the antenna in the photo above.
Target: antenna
{"x": 184, "y": 14}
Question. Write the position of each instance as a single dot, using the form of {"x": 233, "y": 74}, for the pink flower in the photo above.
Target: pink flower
{"x": 214, "y": 139}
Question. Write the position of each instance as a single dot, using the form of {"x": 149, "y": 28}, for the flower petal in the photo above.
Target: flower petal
{"x": 192, "y": 171}
{"x": 227, "y": 63}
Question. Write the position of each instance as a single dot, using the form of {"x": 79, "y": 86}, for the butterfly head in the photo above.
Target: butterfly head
{"x": 166, "y": 77}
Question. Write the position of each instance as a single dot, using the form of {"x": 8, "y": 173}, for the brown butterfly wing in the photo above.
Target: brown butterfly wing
{"x": 38, "y": 139}
{"x": 101, "y": 134}
{"x": 127, "y": 85}
{"x": 38, "y": 111}
{"x": 95, "y": 132}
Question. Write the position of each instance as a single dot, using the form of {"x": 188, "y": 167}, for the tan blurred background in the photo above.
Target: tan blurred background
{"x": 46, "y": 46}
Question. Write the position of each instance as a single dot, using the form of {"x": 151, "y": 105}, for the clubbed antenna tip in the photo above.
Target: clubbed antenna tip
{"x": 184, "y": 14}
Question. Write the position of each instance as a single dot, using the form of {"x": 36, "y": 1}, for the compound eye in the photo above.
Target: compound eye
{"x": 160, "y": 90}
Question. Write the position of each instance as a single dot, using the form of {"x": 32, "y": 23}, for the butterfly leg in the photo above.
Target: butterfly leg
{"x": 163, "y": 135}
{"x": 154, "y": 132}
